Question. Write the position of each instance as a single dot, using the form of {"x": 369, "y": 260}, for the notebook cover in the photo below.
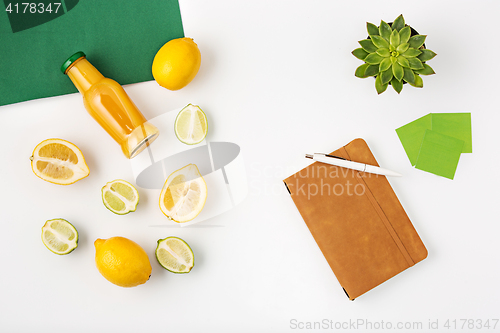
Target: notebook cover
{"x": 357, "y": 221}
{"x": 120, "y": 38}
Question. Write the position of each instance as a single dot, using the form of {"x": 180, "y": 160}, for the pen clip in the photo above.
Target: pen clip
{"x": 340, "y": 158}
{"x": 333, "y": 156}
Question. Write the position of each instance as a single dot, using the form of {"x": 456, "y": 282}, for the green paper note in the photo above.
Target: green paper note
{"x": 120, "y": 38}
{"x": 439, "y": 154}
{"x": 456, "y": 125}
{"x": 412, "y": 134}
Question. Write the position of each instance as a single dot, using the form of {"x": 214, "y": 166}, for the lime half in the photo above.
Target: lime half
{"x": 120, "y": 197}
{"x": 191, "y": 125}
{"x": 59, "y": 236}
{"x": 175, "y": 255}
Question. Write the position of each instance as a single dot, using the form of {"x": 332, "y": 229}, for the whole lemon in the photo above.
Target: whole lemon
{"x": 122, "y": 261}
{"x": 176, "y": 63}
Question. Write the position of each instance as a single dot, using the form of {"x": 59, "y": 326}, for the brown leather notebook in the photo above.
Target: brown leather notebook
{"x": 357, "y": 220}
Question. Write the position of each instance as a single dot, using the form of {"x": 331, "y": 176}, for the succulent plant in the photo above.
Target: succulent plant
{"x": 393, "y": 56}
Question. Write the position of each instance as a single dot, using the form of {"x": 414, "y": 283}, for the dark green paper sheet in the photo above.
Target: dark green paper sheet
{"x": 120, "y": 38}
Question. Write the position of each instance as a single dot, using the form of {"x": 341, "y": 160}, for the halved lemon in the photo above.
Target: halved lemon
{"x": 120, "y": 197}
{"x": 175, "y": 255}
{"x": 59, "y": 236}
{"x": 191, "y": 125}
{"x": 184, "y": 194}
{"x": 58, "y": 161}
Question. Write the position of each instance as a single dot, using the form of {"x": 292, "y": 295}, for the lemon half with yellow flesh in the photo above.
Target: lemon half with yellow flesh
{"x": 59, "y": 236}
{"x": 184, "y": 194}
{"x": 175, "y": 255}
{"x": 59, "y": 161}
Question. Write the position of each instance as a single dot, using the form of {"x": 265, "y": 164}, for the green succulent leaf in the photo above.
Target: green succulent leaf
{"x": 397, "y": 85}
{"x": 367, "y": 45}
{"x": 426, "y": 71}
{"x": 380, "y": 42}
{"x": 383, "y": 52}
{"x": 398, "y": 23}
{"x": 374, "y": 59}
{"x": 385, "y": 30}
{"x": 403, "y": 61}
{"x": 412, "y": 53}
{"x": 360, "y": 71}
{"x": 386, "y": 76}
{"x": 405, "y": 34}
{"x": 409, "y": 76}
{"x": 402, "y": 47}
{"x": 385, "y": 64}
{"x": 392, "y": 48}
{"x": 379, "y": 86}
{"x": 395, "y": 39}
{"x": 372, "y": 70}
{"x": 419, "y": 83}
{"x": 360, "y": 53}
{"x": 426, "y": 55}
{"x": 417, "y": 41}
{"x": 394, "y": 60}
{"x": 415, "y": 63}
{"x": 372, "y": 29}
{"x": 398, "y": 71}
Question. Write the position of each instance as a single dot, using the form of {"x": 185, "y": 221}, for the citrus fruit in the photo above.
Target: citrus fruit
{"x": 122, "y": 261}
{"x": 120, "y": 197}
{"x": 58, "y": 161}
{"x": 176, "y": 63}
{"x": 174, "y": 255}
{"x": 184, "y": 194}
{"x": 59, "y": 236}
{"x": 191, "y": 125}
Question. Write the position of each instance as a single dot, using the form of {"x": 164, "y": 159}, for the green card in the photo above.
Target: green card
{"x": 120, "y": 38}
{"x": 439, "y": 154}
{"x": 412, "y": 134}
{"x": 457, "y": 125}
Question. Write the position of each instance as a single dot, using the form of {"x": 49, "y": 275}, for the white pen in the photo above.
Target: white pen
{"x": 341, "y": 162}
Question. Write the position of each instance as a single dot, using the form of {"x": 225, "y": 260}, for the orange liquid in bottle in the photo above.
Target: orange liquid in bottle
{"x": 108, "y": 103}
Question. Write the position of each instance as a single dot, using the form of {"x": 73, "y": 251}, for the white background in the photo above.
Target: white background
{"x": 277, "y": 78}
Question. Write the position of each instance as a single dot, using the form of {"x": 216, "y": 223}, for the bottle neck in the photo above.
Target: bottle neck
{"x": 83, "y": 74}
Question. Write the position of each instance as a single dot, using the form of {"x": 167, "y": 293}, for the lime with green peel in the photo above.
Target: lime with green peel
{"x": 191, "y": 125}
{"x": 59, "y": 236}
{"x": 120, "y": 197}
{"x": 175, "y": 255}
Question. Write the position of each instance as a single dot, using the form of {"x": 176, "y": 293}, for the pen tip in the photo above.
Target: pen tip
{"x": 309, "y": 156}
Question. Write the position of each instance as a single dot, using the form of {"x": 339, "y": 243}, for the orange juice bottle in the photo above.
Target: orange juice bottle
{"x": 108, "y": 103}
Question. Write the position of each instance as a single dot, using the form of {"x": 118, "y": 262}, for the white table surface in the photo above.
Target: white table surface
{"x": 277, "y": 78}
